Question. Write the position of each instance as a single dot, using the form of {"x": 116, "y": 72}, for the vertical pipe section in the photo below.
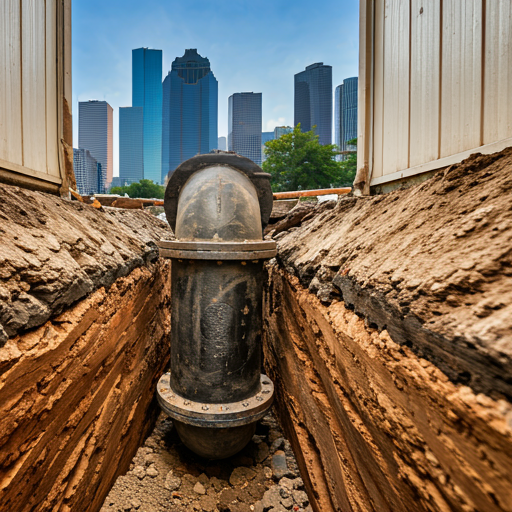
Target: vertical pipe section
{"x": 218, "y": 205}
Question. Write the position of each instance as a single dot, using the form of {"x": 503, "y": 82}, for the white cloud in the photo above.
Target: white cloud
{"x": 272, "y": 123}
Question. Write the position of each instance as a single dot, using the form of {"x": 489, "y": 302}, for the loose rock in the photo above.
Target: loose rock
{"x": 199, "y": 488}
{"x": 152, "y": 472}
{"x": 172, "y": 483}
{"x": 279, "y": 465}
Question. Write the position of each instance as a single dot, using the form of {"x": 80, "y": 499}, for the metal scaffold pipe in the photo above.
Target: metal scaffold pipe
{"x": 218, "y": 205}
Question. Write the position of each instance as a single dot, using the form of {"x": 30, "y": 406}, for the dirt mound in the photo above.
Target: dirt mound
{"x": 431, "y": 264}
{"x": 55, "y": 252}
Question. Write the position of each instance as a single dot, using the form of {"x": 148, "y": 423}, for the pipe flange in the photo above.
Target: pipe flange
{"x": 248, "y": 251}
{"x": 222, "y": 415}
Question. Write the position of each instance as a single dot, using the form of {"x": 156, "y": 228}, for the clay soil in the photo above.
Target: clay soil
{"x": 432, "y": 264}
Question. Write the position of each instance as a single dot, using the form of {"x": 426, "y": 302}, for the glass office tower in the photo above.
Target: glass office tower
{"x": 244, "y": 125}
{"x": 222, "y": 144}
{"x": 90, "y": 178}
{"x": 345, "y": 119}
{"x": 265, "y": 137}
{"x": 131, "y": 151}
{"x": 147, "y": 93}
{"x": 190, "y": 110}
{"x": 95, "y": 133}
{"x": 313, "y": 101}
{"x": 281, "y": 130}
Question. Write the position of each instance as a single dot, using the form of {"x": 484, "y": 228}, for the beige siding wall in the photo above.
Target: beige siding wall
{"x": 441, "y": 83}
{"x": 31, "y": 71}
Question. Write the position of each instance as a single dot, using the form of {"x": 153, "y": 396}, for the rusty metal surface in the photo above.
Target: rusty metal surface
{"x": 219, "y": 415}
{"x": 214, "y": 391}
{"x": 221, "y": 251}
{"x": 216, "y": 329}
{"x": 262, "y": 245}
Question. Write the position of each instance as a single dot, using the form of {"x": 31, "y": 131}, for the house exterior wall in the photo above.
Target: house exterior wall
{"x": 434, "y": 85}
{"x": 35, "y": 94}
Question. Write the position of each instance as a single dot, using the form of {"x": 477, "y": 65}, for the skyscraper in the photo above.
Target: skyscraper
{"x": 345, "y": 119}
{"x": 281, "y": 130}
{"x": 95, "y": 133}
{"x": 131, "y": 152}
{"x": 313, "y": 100}
{"x": 147, "y": 93}
{"x": 244, "y": 125}
{"x": 190, "y": 103}
{"x": 222, "y": 144}
{"x": 90, "y": 178}
{"x": 265, "y": 137}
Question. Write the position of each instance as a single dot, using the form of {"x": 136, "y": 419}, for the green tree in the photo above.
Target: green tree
{"x": 142, "y": 189}
{"x": 297, "y": 161}
{"x": 349, "y": 165}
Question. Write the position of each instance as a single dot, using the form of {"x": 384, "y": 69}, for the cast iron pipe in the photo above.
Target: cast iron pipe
{"x": 218, "y": 205}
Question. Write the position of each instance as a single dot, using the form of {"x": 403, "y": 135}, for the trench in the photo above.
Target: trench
{"x": 374, "y": 310}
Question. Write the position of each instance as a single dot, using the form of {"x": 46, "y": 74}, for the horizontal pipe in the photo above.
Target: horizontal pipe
{"x": 310, "y": 193}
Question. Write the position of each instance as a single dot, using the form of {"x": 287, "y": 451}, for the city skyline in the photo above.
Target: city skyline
{"x": 265, "y": 59}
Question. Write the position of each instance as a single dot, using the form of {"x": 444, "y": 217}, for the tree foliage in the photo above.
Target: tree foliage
{"x": 142, "y": 189}
{"x": 349, "y": 165}
{"x": 297, "y": 161}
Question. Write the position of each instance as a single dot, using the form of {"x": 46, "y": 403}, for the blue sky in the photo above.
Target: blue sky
{"x": 252, "y": 46}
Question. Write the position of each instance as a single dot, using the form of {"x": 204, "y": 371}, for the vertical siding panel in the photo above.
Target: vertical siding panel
{"x": 378, "y": 90}
{"x": 396, "y": 86}
{"x": 498, "y": 71}
{"x": 461, "y": 75}
{"x": 52, "y": 136}
{"x": 33, "y": 84}
{"x": 10, "y": 82}
{"x": 425, "y": 94}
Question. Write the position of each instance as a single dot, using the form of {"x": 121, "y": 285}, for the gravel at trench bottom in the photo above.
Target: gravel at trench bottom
{"x": 166, "y": 476}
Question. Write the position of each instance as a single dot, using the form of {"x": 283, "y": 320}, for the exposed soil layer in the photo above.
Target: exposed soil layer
{"x": 84, "y": 304}
{"x": 76, "y": 395}
{"x": 55, "y": 252}
{"x": 431, "y": 264}
{"x": 164, "y": 475}
{"x": 388, "y": 333}
{"x": 375, "y": 427}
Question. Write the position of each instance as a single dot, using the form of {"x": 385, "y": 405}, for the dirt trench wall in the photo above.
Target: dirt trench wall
{"x": 85, "y": 309}
{"x": 384, "y": 416}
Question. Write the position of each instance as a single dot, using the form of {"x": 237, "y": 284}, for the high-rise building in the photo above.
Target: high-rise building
{"x": 131, "y": 148}
{"x": 265, "y": 137}
{"x": 244, "y": 125}
{"x": 147, "y": 93}
{"x": 95, "y": 133}
{"x": 89, "y": 174}
{"x": 222, "y": 144}
{"x": 313, "y": 101}
{"x": 190, "y": 110}
{"x": 281, "y": 130}
{"x": 345, "y": 118}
